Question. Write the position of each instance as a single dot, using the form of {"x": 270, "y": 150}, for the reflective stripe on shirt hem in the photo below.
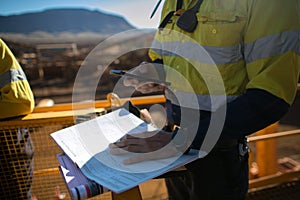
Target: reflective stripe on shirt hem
{"x": 198, "y": 101}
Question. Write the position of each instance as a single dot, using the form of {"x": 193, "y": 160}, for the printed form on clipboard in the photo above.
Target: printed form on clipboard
{"x": 86, "y": 144}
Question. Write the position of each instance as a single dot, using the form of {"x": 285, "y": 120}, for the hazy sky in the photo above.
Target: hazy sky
{"x": 136, "y": 12}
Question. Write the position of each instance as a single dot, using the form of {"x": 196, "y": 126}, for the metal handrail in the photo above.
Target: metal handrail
{"x": 273, "y": 135}
{"x": 143, "y": 100}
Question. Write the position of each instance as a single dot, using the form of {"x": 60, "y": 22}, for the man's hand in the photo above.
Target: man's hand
{"x": 150, "y": 146}
{"x": 145, "y": 70}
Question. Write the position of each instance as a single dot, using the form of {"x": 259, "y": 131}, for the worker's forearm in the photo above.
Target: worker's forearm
{"x": 249, "y": 113}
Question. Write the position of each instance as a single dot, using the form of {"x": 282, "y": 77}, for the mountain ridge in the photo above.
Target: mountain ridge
{"x": 72, "y": 20}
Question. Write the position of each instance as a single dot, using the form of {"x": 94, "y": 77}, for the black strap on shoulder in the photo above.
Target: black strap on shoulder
{"x": 166, "y": 20}
{"x": 170, "y": 14}
{"x": 179, "y": 4}
{"x": 195, "y": 9}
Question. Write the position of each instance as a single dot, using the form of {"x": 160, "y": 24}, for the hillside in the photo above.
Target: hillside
{"x": 64, "y": 20}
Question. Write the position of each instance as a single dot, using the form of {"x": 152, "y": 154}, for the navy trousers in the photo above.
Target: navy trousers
{"x": 221, "y": 175}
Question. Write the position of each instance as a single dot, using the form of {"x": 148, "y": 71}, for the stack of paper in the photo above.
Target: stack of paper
{"x": 86, "y": 144}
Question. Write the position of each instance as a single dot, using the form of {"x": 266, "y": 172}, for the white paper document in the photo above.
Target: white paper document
{"x": 87, "y": 145}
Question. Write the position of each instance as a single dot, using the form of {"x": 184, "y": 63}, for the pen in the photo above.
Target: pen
{"x": 142, "y": 78}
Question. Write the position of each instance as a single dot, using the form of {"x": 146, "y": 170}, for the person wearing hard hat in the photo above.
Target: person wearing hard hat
{"x": 233, "y": 67}
{"x": 16, "y": 155}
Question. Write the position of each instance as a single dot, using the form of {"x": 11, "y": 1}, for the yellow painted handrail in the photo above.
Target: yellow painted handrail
{"x": 66, "y": 112}
{"x": 273, "y": 135}
{"x": 153, "y": 99}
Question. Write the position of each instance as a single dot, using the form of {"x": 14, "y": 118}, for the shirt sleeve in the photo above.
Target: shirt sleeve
{"x": 251, "y": 112}
{"x": 272, "y": 47}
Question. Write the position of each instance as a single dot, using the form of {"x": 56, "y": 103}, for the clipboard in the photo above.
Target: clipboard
{"x": 79, "y": 186}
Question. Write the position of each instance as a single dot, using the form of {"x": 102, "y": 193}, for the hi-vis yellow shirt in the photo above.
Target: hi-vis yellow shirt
{"x": 16, "y": 97}
{"x": 237, "y": 45}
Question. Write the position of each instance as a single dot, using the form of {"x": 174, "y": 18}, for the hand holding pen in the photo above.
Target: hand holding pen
{"x": 144, "y": 78}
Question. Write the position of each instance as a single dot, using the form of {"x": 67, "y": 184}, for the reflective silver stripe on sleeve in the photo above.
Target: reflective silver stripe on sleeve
{"x": 202, "y": 54}
{"x": 10, "y": 76}
{"x": 273, "y": 45}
